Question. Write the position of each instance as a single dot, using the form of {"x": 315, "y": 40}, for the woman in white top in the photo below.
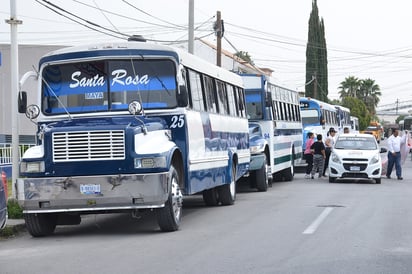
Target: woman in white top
{"x": 329, "y": 142}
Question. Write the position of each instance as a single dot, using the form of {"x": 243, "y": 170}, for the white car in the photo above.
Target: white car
{"x": 356, "y": 157}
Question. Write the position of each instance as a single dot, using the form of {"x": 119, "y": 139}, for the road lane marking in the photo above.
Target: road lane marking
{"x": 316, "y": 223}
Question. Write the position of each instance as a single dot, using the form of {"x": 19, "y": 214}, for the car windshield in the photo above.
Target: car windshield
{"x": 356, "y": 142}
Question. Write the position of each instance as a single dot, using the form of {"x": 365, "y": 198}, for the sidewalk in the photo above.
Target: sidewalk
{"x": 16, "y": 224}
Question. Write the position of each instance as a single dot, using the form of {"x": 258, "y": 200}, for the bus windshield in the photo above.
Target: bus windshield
{"x": 254, "y": 105}
{"x": 108, "y": 85}
{"x": 310, "y": 117}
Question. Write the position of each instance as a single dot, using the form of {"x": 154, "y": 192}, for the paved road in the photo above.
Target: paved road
{"x": 304, "y": 226}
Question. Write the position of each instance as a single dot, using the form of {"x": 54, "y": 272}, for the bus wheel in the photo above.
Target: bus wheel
{"x": 290, "y": 171}
{"x": 40, "y": 224}
{"x": 169, "y": 216}
{"x": 261, "y": 178}
{"x": 227, "y": 192}
{"x": 210, "y": 197}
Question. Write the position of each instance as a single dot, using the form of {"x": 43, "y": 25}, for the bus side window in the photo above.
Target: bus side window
{"x": 209, "y": 92}
{"x": 322, "y": 120}
{"x": 195, "y": 91}
{"x": 231, "y": 100}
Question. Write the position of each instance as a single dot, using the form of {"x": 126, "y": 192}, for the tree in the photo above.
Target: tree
{"x": 370, "y": 92}
{"x": 244, "y": 55}
{"x": 350, "y": 87}
{"x": 400, "y": 117}
{"x": 357, "y": 109}
{"x": 316, "y": 58}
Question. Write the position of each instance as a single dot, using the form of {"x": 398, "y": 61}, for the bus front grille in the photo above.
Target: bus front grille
{"x": 88, "y": 145}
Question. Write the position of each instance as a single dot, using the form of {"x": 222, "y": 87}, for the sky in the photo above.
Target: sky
{"x": 365, "y": 38}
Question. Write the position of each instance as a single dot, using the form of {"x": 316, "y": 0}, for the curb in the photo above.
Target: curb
{"x": 13, "y": 227}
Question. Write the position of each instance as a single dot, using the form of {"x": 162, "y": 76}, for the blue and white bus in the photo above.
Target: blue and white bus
{"x": 317, "y": 117}
{"x": 343, "y": 116}
{"x": 128, "y": 127}
{"x": 273, "y": 112}
{"x": 354, "y": 124}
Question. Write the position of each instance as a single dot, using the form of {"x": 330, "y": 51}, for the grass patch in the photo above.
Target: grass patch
{"x": 8, "y": 232}
{"x": 11, "y": 231}
{"x": 14, "y": 209}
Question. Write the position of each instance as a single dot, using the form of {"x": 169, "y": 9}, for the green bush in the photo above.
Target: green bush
{"x": 14, "y": 209}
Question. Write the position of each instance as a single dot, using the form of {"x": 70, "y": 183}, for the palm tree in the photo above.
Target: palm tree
{"x": 370, "y": 92}
{"x": 244, "y": 55}
{"x": 349, "y": 87}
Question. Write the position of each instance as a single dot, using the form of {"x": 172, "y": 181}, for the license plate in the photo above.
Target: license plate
{"x": 354, "y": 168}
{"x": 90, "y": 189}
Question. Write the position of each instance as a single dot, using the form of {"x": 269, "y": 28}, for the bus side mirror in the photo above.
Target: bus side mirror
{"x": 22, "y": 102}
{"x": 182, "y": 97}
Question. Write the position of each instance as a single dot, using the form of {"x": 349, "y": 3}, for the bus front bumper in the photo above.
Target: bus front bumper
{"x": 92, "y": 193}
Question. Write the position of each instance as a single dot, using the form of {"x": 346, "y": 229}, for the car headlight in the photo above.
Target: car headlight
{"x": 32, "y": 167}
{"x": 375, "y": 159}
{"x": 335, "y": 158}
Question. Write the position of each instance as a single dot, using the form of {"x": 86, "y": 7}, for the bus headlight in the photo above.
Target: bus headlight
{"x": 153, "y": 162}
{"x": 256, "y": 149}
{"x": 32, "y": 167}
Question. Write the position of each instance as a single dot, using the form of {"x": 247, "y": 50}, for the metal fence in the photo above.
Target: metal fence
{"x": 6, "y": 152}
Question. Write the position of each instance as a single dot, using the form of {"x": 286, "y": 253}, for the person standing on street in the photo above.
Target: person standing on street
{"x": 394, "y": 153}
{"x": 329, "y": 142}
{"x": 318, "y": 149}
{"x": 308, "y": 153}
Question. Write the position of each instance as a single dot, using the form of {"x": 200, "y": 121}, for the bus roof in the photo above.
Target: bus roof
{"x": 319, "y": 103}
{"x": 133, "y": 48}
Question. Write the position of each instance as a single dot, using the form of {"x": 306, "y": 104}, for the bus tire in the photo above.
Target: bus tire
{"x": 169, "y": 216}
{"x": 227, "y": 192}
{"x": 210, "y": 197}
{"x": 40, "y": 224}
{"x": 261, "y": 178}
{"x": 290, "y": 171}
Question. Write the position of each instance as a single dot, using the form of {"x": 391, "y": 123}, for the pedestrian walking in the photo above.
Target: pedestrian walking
{"x": 319, "y": 155}
{"x": 329, "y": 143}
{"x": 394, "y": 153}
{"x": 308, "y": 153}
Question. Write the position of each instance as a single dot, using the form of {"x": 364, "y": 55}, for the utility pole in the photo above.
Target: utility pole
{"x": 397, "y": 106}
{"x": 219, "y": 34}
{"x": 315, "y": 86}
{"x": 191, "y": 26}
{"x": 14, "y": 52}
